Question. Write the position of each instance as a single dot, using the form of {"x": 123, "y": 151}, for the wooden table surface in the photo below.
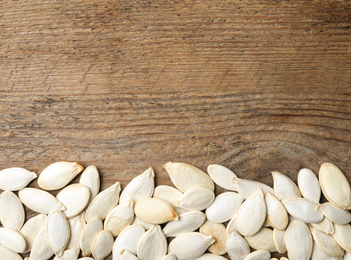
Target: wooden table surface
{"x": 253, "y": 85}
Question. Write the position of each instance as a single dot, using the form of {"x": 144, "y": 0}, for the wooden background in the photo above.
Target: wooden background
{"x": 253, "y": 85}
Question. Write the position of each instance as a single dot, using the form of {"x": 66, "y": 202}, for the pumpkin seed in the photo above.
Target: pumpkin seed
{"x": 90, "y": 177}
{"x": 138, "y": 221}
{"x": 325, "y": 226}
{"x": 190, "y": 245}
{"x": 152, "y": 245}
{"x": 48, "y": 203}
{"x": 319, "y": 254}
{"x": 259, "y": 255}
{"x": 232, "y": 225}
{"x": 185, "y": 176}
{"x": 102, "y": 245}
{"x": 154, "y": 211}
{"x": 334, "y": 213}
{"x": 128, "y": 239}
{"x": 252, "y": 214}
{"x": 12, "y": 240}
{"x": 41, "y": 248}
{"x": 57, "y": 175}
{"x": 86, "y": 258}
{"x": 284, "y": 187}
{"x": 279, "y": 240}
{"x": 89, "y": 232}
{"x": 309, "y": 185}
{"x": 218, "y": 232}
{"x": 103, "y": 203}
{"x": 209, "y": 256}
{"x": 58, "y": 231}
{"x": 8, "y": 254}
{"x": 13, "y": 179}
{"x": 247, "y": 188}
{"x": 277, "y": 217}
{"x": 303, "y": 210}
{"x": 70, "y": 254}
{"x": 120, "y": 217}
{"x": 198, "y": 198}
{"x": 75, "y": 198}
{"x": 170, "y": 195}
{"x": 12, "y": 213}
{"x": 298, "y": 241}
{"x": 169, "y": 257}
{"x": 31, "y": 230}
{"x": 128, "y": 256}
{"x": 347, "y": 256}
{"x": 76, "y": 225}
{"x": 342, "y": 235}
{"x": 335, "y": 186}
{"x": 140, "y": 187}
{"x": 224, "y": 207}
{"x": 222, "y": 176}
{"x": 187, "y": 222}
{"x": 262, "y": 240}
{"x": 237, "y": 247}
{"x": 327, "y": 243}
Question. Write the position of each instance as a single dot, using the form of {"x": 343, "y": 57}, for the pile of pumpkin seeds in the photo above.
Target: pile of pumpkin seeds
{"x": 248, "y": 221}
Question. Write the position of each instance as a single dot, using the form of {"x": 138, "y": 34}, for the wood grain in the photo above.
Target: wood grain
{"x": 253, "y": 85}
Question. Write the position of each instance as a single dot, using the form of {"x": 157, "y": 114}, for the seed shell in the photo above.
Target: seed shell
{"x": 89, "y": 232}
{"x": 309, "y": 185}
{"x": 279, "y": 240}
{"x": 334, "y": 213}
{"x": 303, "y": 210}
{"x": 222, "y": 176}
{"x": 13, "y": 179}
{"x": 298, "y": 241}
{"x": 342, "y": 235}
{"x": 12, "y": 240}
{"x": 277, "y": 217}
{"x": 90, "y": 177}
{"x": 259, "y": 255}
{"x": 102, "y": 245}
{"x": 31, "y": 230}
{"x": 218, "y": 232}
{"x": 247, "y": 188}
{"x": 262, "y": 240}
{"x": 76, "y": 225}
{"x": 284, "y": 187}
{"x": 325, "y": 226}
{"x": 41, "y": 248}
{"x": 327, "y": 243}
{"x": 70, "y": 254}
{"x": 12, "y": 212}
{"x": 7, "y": 254}
{"x": 198, "y": 198}
{"x": 319, "y": 254}
{"x": 237, "y": 246}
{"x": 209, "y": 256}
{"x": 152, "y": 245}
{"x": 170, "y": 195}
{"x": 154, "y": 211}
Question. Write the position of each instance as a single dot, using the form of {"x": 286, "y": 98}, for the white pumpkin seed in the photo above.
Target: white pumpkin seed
{"x": 284, "y": 258}
{"x": 13, "y": 179}
{"x": 31, "y": 230}
{"x": 334, "y": 213}
{"x": 222, "y": 176}
{"x": 102, "y": 245}
{"x": 75, "y": 198}
{"x": 190, "y": 245}
{"x": 325, "y": 226}
{"x": 284, "y": 187}
{"x": 120, "y": 217}
{"x": 347, "y": 256}
{"x": 218, "y": 232}
{"x": 7, "y": 254}
{"x": 154, "y": 211}
{"x": 152, "y": 245}
{"x": 252, "y": 214}
{"x": 279, "y": 240}
{"x": 335, "y": 186}
{"x": 90, "y": 231}
{"x": 209, "y": 256}
{"x": 90, "y": 177}
{"x": 128, "y": 239}
{"x": 140, "y": 187}
{"x": 303, "y": 210}
{"x": 11, "y": 211}
{"x": 39, "y": 200}
{"x": 237, "y": 247}
{"x": 232, "y": 225}
{"x": 138, "y": 221}
{"x": 185, "y": 176}
{"x": 298, "y": 241}
{"x": 342, "y": 235}
{"x": 169, "y": 257}
{"x": 57, "y": 175}
{"x": 327, "y": 243}
{"x": 86, "y": 258}
{"x": 277, "y": 217}
{"x": 309, "y": 185}
{"x": 76, "y": 225}
{"x": 198, "y": 198}
{"x": 103, "y": 203}
{"x": 70, "y": 254}
{"x": 247, "y": 188}
{"x": 262, "y": 240}
{"x": 58, "y": 231}
{"x": 258, "y": 255}
{"x": 187, "y": 222}
{"x": 128, "y": 256}
{"x": 41, "y": 248}
{"x": 170, "y": 195}
{"x": 319, "y": 254}
{"x": 12, "y": 240}
{"x": 224, "y": 207}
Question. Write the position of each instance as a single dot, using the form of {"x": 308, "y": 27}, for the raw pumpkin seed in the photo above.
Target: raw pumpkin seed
{"x": 8, "y": 254}
{"x": 90, "y": 177}
{"x": 284, "y": 187}
{"x": 152, "y": 245}
{"x": 303, "y": 210}
{"x": 308, "y": 185}
{"x": 70, "y": 254}
{"x": 12, "y": 212}
{"x": 218, "y": 232}
{"x": 76, "y": 225}
{"x": 237, "y": 247}
{"x": 298, "y": 241}
{"x": 342, "y": 235}
{"x": 222, "y": 176}
{"x": 198, "y": 198}
{"x": 209, "y": 256}
{"x": 334, "y": 213}
{"x": 128, "y": 256}
{"x": 277, "y": 217}
{"x": 102, "y": 245}
{"x": 57, "y": 175}
{"x": 262, "y": 240}
{"x": 12, "y": 240}
{"x": 319, "y": 254}
{"x": 247, "y": 188}
{"x": 325, "y": 226}
{"x": 154, "y": 211}
{"x": 232, "y": 225}
{"x": 170, "y": 195}
{"x": 258, "y": 255}
{"x": 327, "y": 243}
{"x": 169, "y": 257}
{"x": 58, "y": 231}
{"x": 31, "y": 230}
{"x": 13, "y": 179}
{"x": 89, "y": 232}
{"x": 41, "y": 248}
{"x": 279, "y": 240}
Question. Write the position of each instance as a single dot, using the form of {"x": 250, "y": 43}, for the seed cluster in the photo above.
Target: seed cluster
{"x": 248, "y": 221}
